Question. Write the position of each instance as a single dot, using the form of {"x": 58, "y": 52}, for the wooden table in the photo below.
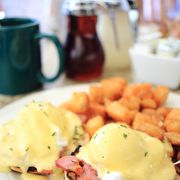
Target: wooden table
{"x": 61, "y": 82}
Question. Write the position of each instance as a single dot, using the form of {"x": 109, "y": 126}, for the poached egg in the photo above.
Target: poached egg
{"x": 116, "y": 151}
{"x": 37, "y": 136}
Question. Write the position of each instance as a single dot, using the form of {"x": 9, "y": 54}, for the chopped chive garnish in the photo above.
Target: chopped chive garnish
{"x": 125, "y": 135}
{"x": 27, "y": 149}
{"x": 77, "y": 133}
{"x": 11, "y": 149}
{"x": 45, "y": 113}
{"x": 145, "y": 154}
{"x": 53, "y": 134}
{"x": 95, "y": 136}
{"x": 123, "y": 126}
{"x": 49, "y": 147}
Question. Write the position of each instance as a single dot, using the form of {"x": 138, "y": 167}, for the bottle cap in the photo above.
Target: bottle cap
{"x": 80, "y": 7}
{"x": 123, "y": 4}
{"x": 112, "y": 2}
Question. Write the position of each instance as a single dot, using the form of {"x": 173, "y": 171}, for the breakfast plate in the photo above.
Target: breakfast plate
{"x": 56, "y": 97}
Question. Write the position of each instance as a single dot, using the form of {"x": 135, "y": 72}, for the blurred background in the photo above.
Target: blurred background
{"x": 129, "y": 31}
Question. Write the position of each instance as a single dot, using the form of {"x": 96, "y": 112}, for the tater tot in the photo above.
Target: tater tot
{"x": 149, "y": 111}
{"x": 160, "y": 95}
{"x": 113, "y": 87}
{"x": 155, "y": 116}
{"x": 118, "y": 112}
{"x": 133, "y": 114}
{"x": 96, "y": 94}
{"x": 98, "y": 109}
{"x": 172, "y": 121}
{"x": 158, "y": 118}
{"x": 132, "y": 103}
{"x": 149, "y": 129}
{"x": 107, "y": 101}
{"x": 173, "y": 137}
{"x": 94, "y": 124}
{"x": 148, "y": 103}
{"x": 163, "y": 111}
{"x": 141, "y": 118}
{"x": 173, "y": 126}
{"x": 174, "y": 114}
{"x": 79, "y": 103}
{"x": 141, "y": 91}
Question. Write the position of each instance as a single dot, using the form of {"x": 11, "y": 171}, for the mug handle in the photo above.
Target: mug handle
{"x": 41, "y": 77}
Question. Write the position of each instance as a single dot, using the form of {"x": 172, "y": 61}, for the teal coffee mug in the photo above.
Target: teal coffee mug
{"x": 20, "y": 57}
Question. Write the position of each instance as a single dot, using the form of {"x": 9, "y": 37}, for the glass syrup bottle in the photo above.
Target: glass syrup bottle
{"x": 84, "y": 55}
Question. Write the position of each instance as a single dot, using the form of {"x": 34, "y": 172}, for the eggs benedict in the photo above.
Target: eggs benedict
{"x": 38, "y": 136}
{"x": 117, "y": 152}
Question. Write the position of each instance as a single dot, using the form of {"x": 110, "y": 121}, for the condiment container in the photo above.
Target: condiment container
{"x": 84, "y": 55}
{"x": 116, "y": 35}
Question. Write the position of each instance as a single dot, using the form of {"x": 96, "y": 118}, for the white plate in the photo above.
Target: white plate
{"x": 56, "y": 96}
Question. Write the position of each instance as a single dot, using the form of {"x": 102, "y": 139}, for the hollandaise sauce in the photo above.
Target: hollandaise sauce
{"x": 36, "y": 137}
{"x": 132, "y": 154}
{"x": 33, "y": 177}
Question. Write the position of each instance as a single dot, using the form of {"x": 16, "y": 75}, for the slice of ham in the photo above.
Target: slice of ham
{"x": 77, "y": 169}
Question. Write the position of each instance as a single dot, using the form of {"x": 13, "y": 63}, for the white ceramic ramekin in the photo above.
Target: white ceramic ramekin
{"x": 155, "y": 69}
